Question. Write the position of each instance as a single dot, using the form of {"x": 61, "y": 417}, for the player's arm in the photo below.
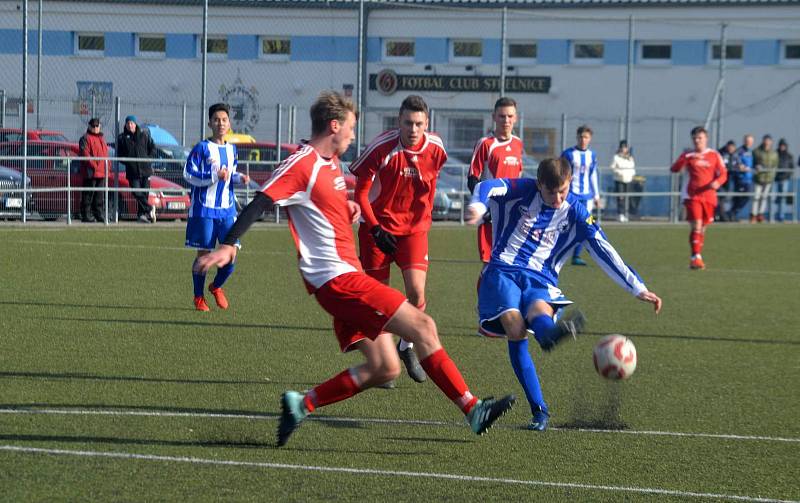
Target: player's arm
{"x": 193, "y": 171}
{"x": 476, "y": 165}
{"x": 679, "y": 164}
{"x": 721, "y": 174}
{"x": 386, "y": 241}
{"x": 237, "y": 177}
{"x": 497, "y": 189}
{"x": 612, "y": 264}
{"x": 593, "y": 179}
{"x": 226, "y": 252}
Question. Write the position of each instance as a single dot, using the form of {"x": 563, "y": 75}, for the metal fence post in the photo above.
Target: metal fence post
{"x": 674, "y": 203}
{"x": 24, "y": 109}
{"x": 2, "y": 108}
{"x": 183, "y": 123}
{"x": 94, "y": 104}
{"x": 69, "y": 197}
{"x": 115, "y": 164}
{"x": 39, "y": 67}
{"x": 278, "y": 127}
{"x": 204, "y": 66}
{"x": 503, "y": 53}
{"x": 563, "y": 132}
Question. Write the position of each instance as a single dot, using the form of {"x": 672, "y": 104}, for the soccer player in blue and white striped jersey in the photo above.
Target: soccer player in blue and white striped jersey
{"x": 211, "y": 171}
{"x": 583, "y": 162}
{"x": 536, "y": 224}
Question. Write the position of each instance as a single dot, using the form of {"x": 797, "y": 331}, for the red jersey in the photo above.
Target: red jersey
{"x": 396, "y": 184}
{"x": 315, "y": 195}
{"x": 502, "y": 158}
{"x": 704, "y": 168}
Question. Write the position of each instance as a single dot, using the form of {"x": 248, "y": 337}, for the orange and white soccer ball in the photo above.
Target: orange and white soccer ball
{"x": 615, "y": 357}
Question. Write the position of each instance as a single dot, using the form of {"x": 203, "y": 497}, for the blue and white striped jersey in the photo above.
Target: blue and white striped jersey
{"x": 531, "y": 235}
{"x": 211, "y": 197}
{"x": 584, "y": 172}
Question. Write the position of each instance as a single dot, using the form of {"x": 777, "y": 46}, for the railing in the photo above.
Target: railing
{"x": 51, "y": 194}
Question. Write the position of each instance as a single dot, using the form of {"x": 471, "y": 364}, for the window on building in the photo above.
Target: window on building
{"x": 733, "y": 52}
{"x": 522, "y": 52}
{"x": 217, "y": 46}
{"x": 463, "y": 132}
{"x": 91, "y": 43}
{"x": 539, "y": 142}
{"x": 655, "y": 52}
{"x": 587, "y": 52}
{"x": 466, "y": 51}
{"x": 791, "y": 52}
{"x": 276, "y": 48}
{"x": 398, "y": 50}
{"x": 151, "y": 45}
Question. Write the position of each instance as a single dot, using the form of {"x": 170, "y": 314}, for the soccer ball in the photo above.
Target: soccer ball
{"x": 615, "y": 357}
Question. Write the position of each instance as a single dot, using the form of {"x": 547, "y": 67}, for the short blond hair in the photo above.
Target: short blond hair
{"x": 329, "y": 106}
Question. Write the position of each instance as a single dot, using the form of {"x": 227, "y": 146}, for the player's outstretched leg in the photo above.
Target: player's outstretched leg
{"x": 411, "y": 362}
{"x": 417, "y": 327}
{"x": 548, "y": 333}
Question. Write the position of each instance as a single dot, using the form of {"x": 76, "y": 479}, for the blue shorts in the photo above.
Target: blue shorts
{"x": 204, "y": 233}
{"x": 509, "y": 288}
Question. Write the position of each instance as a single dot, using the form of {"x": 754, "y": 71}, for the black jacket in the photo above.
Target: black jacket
{"x": 137, "y": 144}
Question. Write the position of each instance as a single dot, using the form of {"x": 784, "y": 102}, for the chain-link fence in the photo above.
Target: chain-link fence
{"x": 643, "y": 74}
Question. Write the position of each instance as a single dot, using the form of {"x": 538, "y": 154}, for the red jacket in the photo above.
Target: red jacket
{"x": 93, "y": 145}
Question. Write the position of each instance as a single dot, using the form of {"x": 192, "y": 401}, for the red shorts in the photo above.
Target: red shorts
{"x": 360, "y": 305}
{"x": 485, "y": 242}
{"x": 697, "y": 209}
{"x": 412, "y": 253}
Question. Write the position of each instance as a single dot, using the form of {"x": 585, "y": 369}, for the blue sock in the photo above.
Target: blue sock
{"x": 577, "y": 251}
{"x": 526, "y": 374}
{"x": 199, "y": 280}
{"x": 223, "y": 273}
{"x": 544, "y": 329}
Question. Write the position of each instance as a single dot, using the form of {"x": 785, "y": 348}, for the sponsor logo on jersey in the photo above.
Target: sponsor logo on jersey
{"x": 410, "y": 172}
{"x": 511, "y": 161}
{"x": 339, "y": 183}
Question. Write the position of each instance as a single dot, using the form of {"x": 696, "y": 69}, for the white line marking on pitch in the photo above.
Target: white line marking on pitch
{"x": 334, "y": 419}
{"x": 389, "y": 473}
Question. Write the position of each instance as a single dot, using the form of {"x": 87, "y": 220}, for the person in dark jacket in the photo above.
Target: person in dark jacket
{"x": 783, "y": 177}
{"x": 136, "y": 142}
{"x": 93, "y": 171}
{"x": 731, "y": 159}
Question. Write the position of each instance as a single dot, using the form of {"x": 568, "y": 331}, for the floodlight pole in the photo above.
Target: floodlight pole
{"x": 39, "y": 68}
{"x": 629, "y": 82}
{"x": 503, "y": 54}
{"x": 362, "y": 41}
{"x": 204, "y": 49}
{"x": 25, "y": 110}
{"x": 722, "y": 56}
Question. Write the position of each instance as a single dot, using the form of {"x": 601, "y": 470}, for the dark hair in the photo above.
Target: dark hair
{"x": 766, "y": 137}
{"x": 414, "y": 103}
{"x": 218, "y": 107}
{"x": 94, "y": 121}
{"x": 329, "y": 106}
{"x": 584, "y": 129}
{"x": 504, "y": 102}
{"x": 697, "y": 130}
{"x": 554, "y": 172}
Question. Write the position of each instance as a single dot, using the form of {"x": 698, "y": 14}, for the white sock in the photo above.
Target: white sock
{"x": 405, "y": 345}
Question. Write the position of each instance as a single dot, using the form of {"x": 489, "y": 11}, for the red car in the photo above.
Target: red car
{"x": 165, "y": 196}
{"x": 15, "y": 134}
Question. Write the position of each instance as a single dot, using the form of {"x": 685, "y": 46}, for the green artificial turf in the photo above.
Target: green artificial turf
{"x": 99, "y": 337}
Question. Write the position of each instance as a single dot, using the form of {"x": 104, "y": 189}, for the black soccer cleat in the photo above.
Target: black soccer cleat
{"x": 487, "y": 411}
{"x": 292, "y": 414}
{"x": 413, "y": 367}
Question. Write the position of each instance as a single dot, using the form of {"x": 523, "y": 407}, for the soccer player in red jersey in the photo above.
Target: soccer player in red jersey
{"x": 707, "y": 173}
{"x": 397, "y": 176}
{"x": 310, "y": 185}
{"x": 498, "y": 155}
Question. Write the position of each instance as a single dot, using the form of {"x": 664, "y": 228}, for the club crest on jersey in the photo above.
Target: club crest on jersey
{"x": 563, "y": 226}
{"x": 590, "y": 220}
{"x": 339, "y": 183}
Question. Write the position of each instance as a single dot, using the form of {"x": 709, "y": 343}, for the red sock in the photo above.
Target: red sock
{"x": 696, "y": 241}
{"x": 335, "y": 389}
{"x": 444, "y": 373}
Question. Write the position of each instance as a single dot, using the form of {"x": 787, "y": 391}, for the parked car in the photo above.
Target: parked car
{"x": 166, "y": 196}
{"x": 15, "y": 134}
{"x": 11, "y": 202}
{"x": 232, "y": 137}
{"x": 160, "y": 135}
{"x": 260, "y": 158}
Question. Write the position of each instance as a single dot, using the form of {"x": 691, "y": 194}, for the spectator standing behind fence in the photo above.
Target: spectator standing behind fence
{"x": 743, "y": 178}
{"x": 731, "y": 159}
{"x": 94, "y": 171}
{"x": 624, "y": 168}
{"x": 765, "y": 161}
{"x": 136, "y": 142}
{"x": 783, "y": 180}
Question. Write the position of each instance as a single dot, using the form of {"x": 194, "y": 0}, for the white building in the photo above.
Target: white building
{"x": 265, "y": 52}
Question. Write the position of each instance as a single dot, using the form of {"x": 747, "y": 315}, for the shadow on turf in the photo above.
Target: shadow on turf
{"x": 472, "y": 332}
{"x": 94, "y": 377}
{"x": 188, "y": 323}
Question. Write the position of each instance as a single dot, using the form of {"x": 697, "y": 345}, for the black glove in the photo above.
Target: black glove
{"x": 386, "y": 241}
